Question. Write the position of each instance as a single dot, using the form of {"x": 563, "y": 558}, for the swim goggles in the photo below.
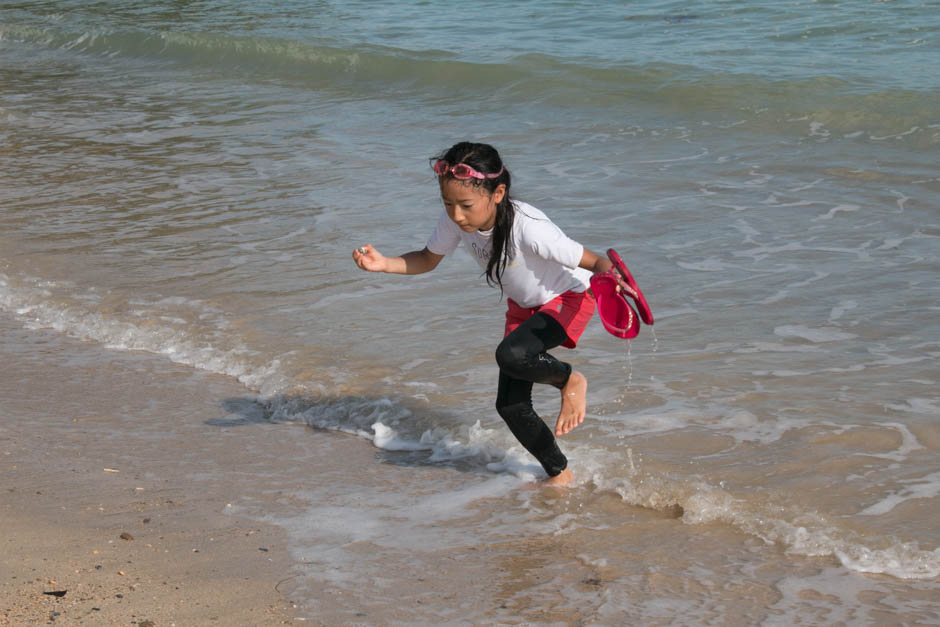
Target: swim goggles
{"x": 462, "y": 171}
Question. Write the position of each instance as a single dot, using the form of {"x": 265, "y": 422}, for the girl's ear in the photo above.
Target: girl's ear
{"x": 499, "y": 193}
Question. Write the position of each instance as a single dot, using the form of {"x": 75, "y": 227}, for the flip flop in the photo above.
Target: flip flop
{"x": 616, "y": 314}
{"x": 642, "y": 306}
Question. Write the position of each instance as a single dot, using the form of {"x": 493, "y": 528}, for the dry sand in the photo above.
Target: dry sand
{"x": 116, "y": 474}
{"x": 179, "y": 571}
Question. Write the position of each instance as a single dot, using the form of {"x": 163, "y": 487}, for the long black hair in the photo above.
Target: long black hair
{"x": 484, "y": 159}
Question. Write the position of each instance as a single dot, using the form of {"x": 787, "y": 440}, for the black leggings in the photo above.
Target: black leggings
{"x": 523, "y": 360}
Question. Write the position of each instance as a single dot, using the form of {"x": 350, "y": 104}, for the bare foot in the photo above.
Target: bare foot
{"x": 573, "y": 404}
{"x": 561, "y": 480}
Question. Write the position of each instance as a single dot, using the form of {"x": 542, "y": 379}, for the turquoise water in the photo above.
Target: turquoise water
{"x": 872, "y": 45}
{"x": 189, "y": 179}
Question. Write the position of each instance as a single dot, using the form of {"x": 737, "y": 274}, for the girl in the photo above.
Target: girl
{"x": 544, "y": 274}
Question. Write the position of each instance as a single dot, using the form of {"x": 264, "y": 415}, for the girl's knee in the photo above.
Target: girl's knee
{"x": 510, "y": 355}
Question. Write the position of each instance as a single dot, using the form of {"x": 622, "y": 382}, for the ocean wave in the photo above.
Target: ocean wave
{"x": 186, "y": 332}
{"x": 828, "y": 107}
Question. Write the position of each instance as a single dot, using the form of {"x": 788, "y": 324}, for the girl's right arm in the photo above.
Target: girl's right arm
{"x": 415, "y": 262}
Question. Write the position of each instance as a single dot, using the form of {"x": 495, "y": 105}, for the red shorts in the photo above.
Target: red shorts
{"x": 572, "y": 310}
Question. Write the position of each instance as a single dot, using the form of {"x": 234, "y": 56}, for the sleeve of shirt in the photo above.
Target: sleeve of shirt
{"x": 446, "y": 236}
{"x": 549, "y": 242}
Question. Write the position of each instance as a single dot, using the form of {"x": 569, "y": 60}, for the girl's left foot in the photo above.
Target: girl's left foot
{"x": 573, "y": 404}
{"x": 561, "y": 480}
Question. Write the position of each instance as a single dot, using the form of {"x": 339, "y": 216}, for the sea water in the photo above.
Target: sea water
{"x": 188, "y": 180}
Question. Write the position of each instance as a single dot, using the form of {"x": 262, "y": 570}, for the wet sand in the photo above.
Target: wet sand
{"x": 117, "y": 473}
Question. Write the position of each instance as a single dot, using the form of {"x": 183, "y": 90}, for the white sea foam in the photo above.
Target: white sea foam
{"x": 922, "y": 488}
{"x": 764, "y": 250}
{"x": 775, "y": 347}
{"x": 663, "y": 314}
{"x": 739, "y": 424}
{"x": 817, "y": 335}
{"x": 834, "y": 596}
{"x": 781, "y": 373}
{"x": 838, "y": 209}
{"x": 841, "y": 308}
{"x": 902, "y": 560}
{"x": 388, "y": 439}
{"x": 712, "y": 264}
{"x": 775, "y": 298}
{"x": 928, "y": 406}
{"x": 400, "y": 521}
{"x": 909, "y": 443}
{"x": 800, "y": 533}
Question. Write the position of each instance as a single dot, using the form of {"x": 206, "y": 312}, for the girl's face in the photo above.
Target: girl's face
{"x": 471, "y": 207}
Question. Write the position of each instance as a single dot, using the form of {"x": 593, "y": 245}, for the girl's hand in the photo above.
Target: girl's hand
{"x": 602, "y": 265}
{"x": 622, "y": 285}
{"x": 368, "y": 258}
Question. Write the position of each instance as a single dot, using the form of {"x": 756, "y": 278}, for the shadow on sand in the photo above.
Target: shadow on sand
{"x": 353, "y": 416}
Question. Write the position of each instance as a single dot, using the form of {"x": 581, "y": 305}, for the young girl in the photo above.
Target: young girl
{"x": 544, "y": 274}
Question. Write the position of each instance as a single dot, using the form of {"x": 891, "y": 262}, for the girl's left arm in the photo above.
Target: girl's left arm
{"x": 598, "y": 265}
{"x": 594, "y": 262}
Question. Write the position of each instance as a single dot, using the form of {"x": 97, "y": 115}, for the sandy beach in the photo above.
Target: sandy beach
{"x": 108, "y": 523}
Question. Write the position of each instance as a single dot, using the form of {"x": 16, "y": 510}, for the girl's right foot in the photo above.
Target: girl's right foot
{"x": 573, "y": 404}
